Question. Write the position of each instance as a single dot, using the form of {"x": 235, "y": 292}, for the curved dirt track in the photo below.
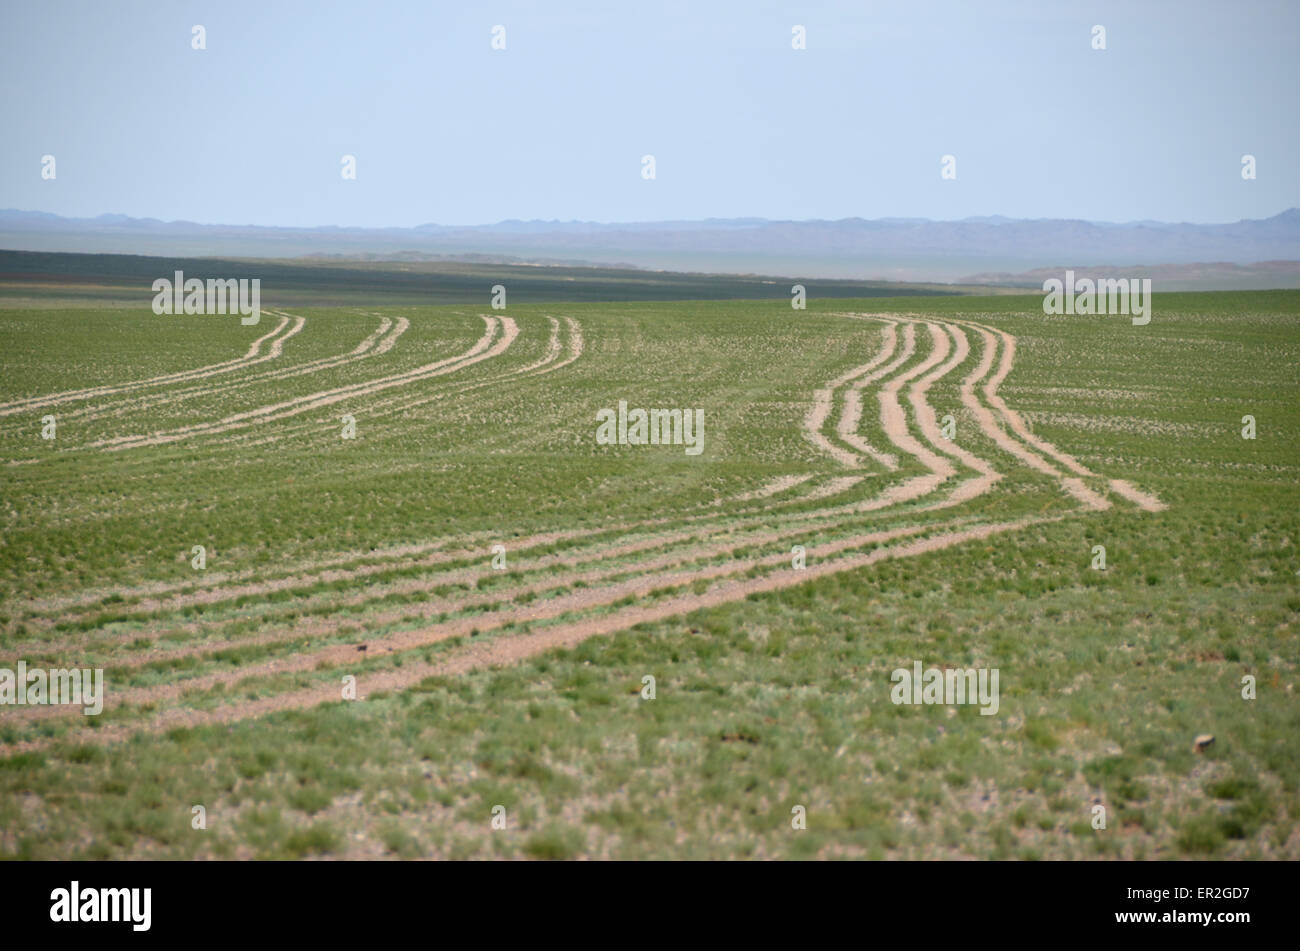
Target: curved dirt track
{"x": 823, "y": 400}
{"x": 404, "y": 552}
{"x": 445, "y": 552}
{"x": 253, "y": 357}
{"x": 403, "y": 403}
{"x": 599, "y": 585}
{"x": 378, "y": 342}
{"x": 502, "y": 649}
{"x": 483, "y": 349}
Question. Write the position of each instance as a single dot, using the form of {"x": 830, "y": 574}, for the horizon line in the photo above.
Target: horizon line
{"x": 986, "y": 218}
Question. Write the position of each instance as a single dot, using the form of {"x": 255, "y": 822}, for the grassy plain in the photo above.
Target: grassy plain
{"x": 371, "y": 557}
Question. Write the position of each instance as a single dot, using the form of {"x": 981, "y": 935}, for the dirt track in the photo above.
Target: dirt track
{"x": 675, "y": 556}
{"x": 252, "y": 358}
{"x": 483, "y": 349}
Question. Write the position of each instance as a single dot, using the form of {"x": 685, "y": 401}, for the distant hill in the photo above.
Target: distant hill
{"x": 894, "y": 249}
{"x": 1200, "y": 276}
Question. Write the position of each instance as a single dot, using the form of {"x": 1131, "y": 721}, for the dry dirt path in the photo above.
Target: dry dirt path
{"x": 483, "y": 349}
{"x": 498, "y": 650}
{"x": 612, "y": 592}
{"x": 273, "y": 340}
{"x": 550, "y": 361}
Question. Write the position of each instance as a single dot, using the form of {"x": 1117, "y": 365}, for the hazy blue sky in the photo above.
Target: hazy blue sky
{"x": 446, "y": 129}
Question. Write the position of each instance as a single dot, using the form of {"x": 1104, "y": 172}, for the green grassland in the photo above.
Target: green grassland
{"x": 762, "y": 704}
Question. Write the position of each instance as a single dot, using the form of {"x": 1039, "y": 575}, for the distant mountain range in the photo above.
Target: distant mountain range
{"x": 985, "y": 249}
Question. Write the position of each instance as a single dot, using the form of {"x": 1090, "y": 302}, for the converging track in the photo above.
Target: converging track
{"x": 600, "y": 580}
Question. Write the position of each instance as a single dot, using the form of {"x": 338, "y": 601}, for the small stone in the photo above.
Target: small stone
{"x": 1203, "y": 742}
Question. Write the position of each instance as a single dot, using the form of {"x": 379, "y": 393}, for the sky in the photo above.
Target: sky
{"x": 446, "y": 129}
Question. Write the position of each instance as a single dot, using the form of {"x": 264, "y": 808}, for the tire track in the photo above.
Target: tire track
{"x": 379, "y": 336}
{"x": 547, "y": 364}
{"x": 505, "y": 650}
{"x": 1003, "y": 438}
{"x": 823, "y": 400}
{"x": 483, "y": 349}
{"x": 917, "y": 397}
{"x": 943, "y": 358}
{"x": 924, "y": 415}
{"x": 1076, "y": 487}
{"x": 594, "y": 569}
{"x": 774, "y": 487}
{"x": 851, "y": 414}
{"x": 251, "y": 358}
{"x": 219, "y": 590}
{"x": 440, "y": 555}
{"x": 730, "y": 589}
